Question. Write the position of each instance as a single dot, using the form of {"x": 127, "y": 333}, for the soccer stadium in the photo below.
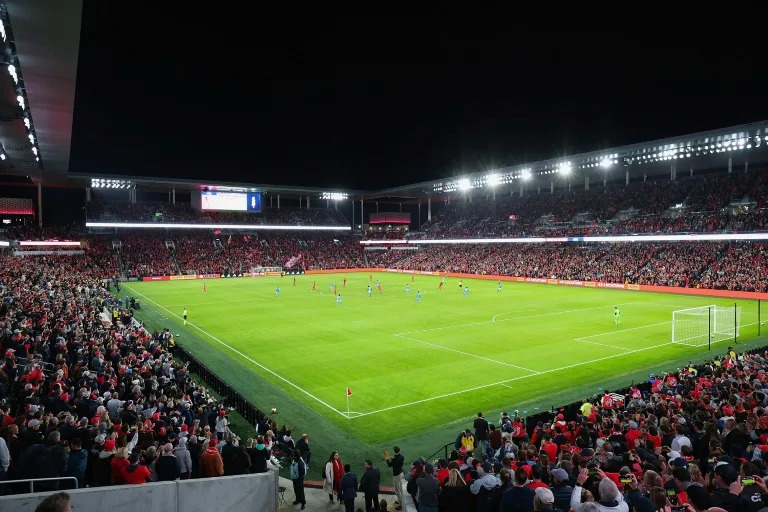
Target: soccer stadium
{"x": 581, "y": 332}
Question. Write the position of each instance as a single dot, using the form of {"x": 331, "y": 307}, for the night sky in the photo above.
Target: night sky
{"x": 375, "y": 103}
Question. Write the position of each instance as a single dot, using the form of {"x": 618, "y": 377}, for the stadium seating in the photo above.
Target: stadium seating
{"x": 88, "y": 393}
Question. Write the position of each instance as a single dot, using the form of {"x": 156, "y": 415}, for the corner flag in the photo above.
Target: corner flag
{"x": 349, "y": 392}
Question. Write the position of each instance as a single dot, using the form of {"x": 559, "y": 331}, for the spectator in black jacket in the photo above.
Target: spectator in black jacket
{"x": 456, "y": 496}
{"x": 560, "y": 489}
{"x": 481, "y": 433}
{"x": 298, "y": 473}
{"x": 239, "y": 462}
{"x": 31, "y": 435}
{"x": 51, "y": 463}
{"x": 303, "y": 447}
{"x": 258, "y": 454}
{"x": 369, "y": 486}
{"x": 195, "y": 450}
{"x": 167, "y": 466}
{"x": 396, "y": 463}
{"x": 348, "y": 488}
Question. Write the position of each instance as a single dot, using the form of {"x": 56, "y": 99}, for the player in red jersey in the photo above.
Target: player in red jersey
{"x": 412, "y": 277}
{"x": 378, "y": 287}
{"x": 335, "y": 290}
{"x": 370, "y": 277}
{"x": 205, "y": 288}
{"x": 345, "y": 282}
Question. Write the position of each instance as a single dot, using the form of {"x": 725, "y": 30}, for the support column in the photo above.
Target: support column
{"x": 521, "y": 189}
{"x": 278, "y": 201}
{"x": 626, "y": 178}
{"x": 377, "y": 207}
{"x": 300, "y": 202}
{"x": 552, "y": 187}
{"x": 87, "y": 194}
{"x": 645, "y": 178}
{"x": 169, "y": 195}
{"x": 353, "y": 215}
{"x": 493, "y": 194}
{"x": 691, "y": 172}
{"x": 362, "y": 208}
{"x": 174, "y": 195}
{"x": 429, "y": 208}
{"x": 673, "y": 172}
{"x": 270, "y": 200}
{"x": 730, "y": 164}
{"x": 401, "y": 207}
{"x": 586, "y": 182}
{"x": 307, "y": 202}
{"x": 419, "y": 213}
{"x": 39, "y": 204}
{"x": 746, "y": 165}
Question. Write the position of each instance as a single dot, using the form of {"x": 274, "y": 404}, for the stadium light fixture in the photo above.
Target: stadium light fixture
{"x": 159, "y": 225}
{"x": 27, "y": 123}
{"x": 702, "y": 237}
{"x": 464, "y": 184}
{"x": 20, "y": 100}
{"x": 2, "y": 30}
{"x": 493, "y": 179}
{"x": 565, "y": 168}
{"x": 526, "y": 175}
{"x": 12, "y": 72}
{"x": 2, "y": 156}
{"x": 31, "y": 138}
{"x": 34, "y": 150}
{"x": 605, "y": 163}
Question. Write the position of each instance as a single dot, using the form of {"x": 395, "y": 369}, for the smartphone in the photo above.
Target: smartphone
{"x": 679, "y": 508}
{"x": 625, "y": 480}
{"x": 747, "y": 480}
{"x": 592, "y": 472}
{"x": 671, "y": 492}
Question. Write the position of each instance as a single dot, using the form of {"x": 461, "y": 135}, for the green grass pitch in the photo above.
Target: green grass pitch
{"x": 418, "y": 371}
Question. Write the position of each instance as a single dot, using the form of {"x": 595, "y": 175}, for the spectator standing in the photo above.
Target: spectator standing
{"x": 481, "y": 433}
{"x": 396, "y": 463}
{"x": 429, "y": 488}
{"x": 222, "y": 424}
{"x": 78, "y": 459}
{"x": 5, "y": 460}
{"x": 195, "y": 451}
{"x": 136, "y": 472}
{"x": 333, "y": 472}
{"x": 184, "y": 457}
{"x": 519, "y": 498}
{"x": 116, "y": 466}
{"x": 168, "y": 466}
{"x": 369, "y": 485}
{"x": 298, "y": 472}
{"x": 561, "y": 490}
{"x": 544, "y": 500}
{"x": 303, "y": 446}
{"x": 455, "y": 495}
{"x": 211, "y": 463}
{"x": 348, "y": 488}
{"x": 52, "y": 463}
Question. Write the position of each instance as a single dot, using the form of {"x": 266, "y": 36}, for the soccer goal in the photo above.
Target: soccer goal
{"x": 705, "y": 324}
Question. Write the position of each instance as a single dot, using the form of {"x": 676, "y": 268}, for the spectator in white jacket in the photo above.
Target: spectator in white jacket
{"x": 486, "y": 479}
{"x": 184, "y": 457}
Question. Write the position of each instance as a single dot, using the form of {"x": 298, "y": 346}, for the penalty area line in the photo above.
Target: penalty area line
{"x": 214, "y": 338}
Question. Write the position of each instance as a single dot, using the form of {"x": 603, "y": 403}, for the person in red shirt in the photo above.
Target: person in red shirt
{"x": 135, "y": 472}
{"x": 549, "y": 447}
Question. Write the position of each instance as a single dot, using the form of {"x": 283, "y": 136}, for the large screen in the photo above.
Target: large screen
{"x": 232, "y": 201}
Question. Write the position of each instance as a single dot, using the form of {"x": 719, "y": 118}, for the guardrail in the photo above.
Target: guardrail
{"x": 32, "y": 481}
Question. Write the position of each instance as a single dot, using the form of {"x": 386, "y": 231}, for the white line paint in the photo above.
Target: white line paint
{"x": 465, "y": 353}
{"x": 601, "y": 344}
{"x": 620, "y": 331}
{"x": 483, "y": 386}
{"x": 242, "y": 355}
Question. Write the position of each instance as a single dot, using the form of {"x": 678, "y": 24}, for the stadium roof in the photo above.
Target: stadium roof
{"x": 42, "y": 39}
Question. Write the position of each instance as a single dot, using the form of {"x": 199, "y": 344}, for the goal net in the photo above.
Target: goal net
{"x": 266, "y": 271}
{"x": 699, "y": 326}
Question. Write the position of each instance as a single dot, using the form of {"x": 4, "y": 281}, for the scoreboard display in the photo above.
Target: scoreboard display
{"x": 217, "y": 200}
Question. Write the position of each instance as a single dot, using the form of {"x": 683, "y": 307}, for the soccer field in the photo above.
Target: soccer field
{"x": 418, "y": 371}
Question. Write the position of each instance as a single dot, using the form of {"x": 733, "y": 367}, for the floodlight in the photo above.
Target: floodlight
{"x": 20, "y": 100}
{"x": 464, "y": 184}
{"x": 565, "y": 168}
{"x": 27, "y": 123}
{"x": 31, "y": 138}
{"x": 526, "y": 175}
{"x": 37, "y": 159}
{"x": 34, "y": 150}
{"x": 606, "y": 163}
{"x": 493, "y": 179}
{"x": 12, "y": 72}
{"x": 2, "y": 156}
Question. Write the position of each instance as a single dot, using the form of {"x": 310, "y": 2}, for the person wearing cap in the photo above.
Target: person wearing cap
{"x": 429, "y": 489}
{"x": 136, "y": 472}
{"x": 31, "y": 435}
{"x": 544, "y": 500}
{"x": 348, "y": 488}
{"x": 726, "y": 494}
{"x": 560, "y": 489}
{"x": 211, "y": 463}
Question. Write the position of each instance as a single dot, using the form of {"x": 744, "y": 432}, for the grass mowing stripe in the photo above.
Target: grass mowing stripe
{"x": 214, "y": 338}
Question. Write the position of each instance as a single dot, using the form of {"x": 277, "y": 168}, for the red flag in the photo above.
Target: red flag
{"x": 349, "y": 392}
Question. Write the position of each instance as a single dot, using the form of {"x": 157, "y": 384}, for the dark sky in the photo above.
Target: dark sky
{"x": 373, "y": 103}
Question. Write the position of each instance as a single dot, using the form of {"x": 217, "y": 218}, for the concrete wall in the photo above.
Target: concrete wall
{"x": 224, "y": 494}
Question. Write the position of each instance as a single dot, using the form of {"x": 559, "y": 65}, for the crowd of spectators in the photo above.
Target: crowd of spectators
{"x": 87, "y": 392}
{"x": 693, "y": 440}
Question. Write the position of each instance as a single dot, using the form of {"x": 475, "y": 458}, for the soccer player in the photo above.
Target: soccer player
{"x": 466, "y": 291}
{"x": 313, "y": 286}
{"x": 205, "y": 288}
{"x": 370, "y": 277}
{"x": 335, "y": 290}
{"x": 330, "y": 287}
{"x": 461, "y": 284}
{"x": 377, "y": 283}
{"x": 185, "y": 316}
{"x": 413, "y": 276}
{"x": 345, "y": 282}
{"x": 277, "y": 292}
{"x": 408, "y": 288}
{"x": 616, "y": 316}
{"x": 440, "y": 285}
{"x": 338, "y": 300}
{"x": 369, "y": 290}
{"x": 443, "y": 280}
{"x": 378, "y": 286}
{"x": 418, "y": 295}
{"x": 294, "y": 281}
{"x": 498, "y": 287}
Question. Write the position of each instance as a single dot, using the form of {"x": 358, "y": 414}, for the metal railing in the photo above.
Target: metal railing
{"x": 32, "y": 481}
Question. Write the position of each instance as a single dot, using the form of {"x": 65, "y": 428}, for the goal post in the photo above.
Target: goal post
{"x": 706, "y": 324}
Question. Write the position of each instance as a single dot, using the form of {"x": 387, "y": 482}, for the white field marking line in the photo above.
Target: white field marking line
{"x": 242, "y": 355}
{"x": 506, "y": 385}
{"x": 466, "y": 353}
{"x": 516, "y": 318}
{"x": 497, "y": 316}
{"x": 583, "y": 339}
{"x": 601, "y": 344}
{"x": 501, "y": 382}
